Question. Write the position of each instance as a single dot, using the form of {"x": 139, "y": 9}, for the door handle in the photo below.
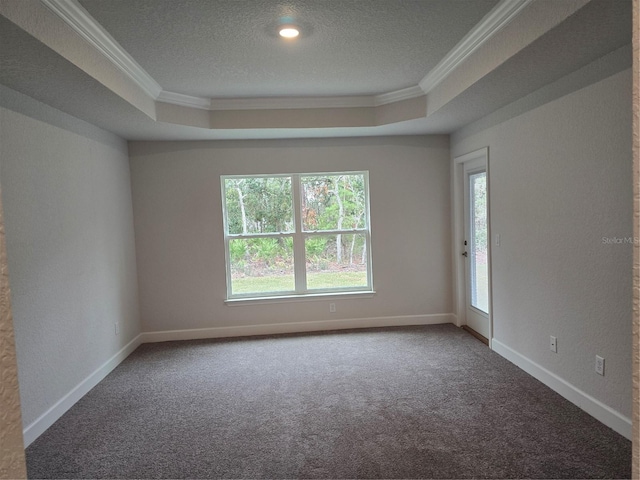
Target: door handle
{"x": 464, "y": 254}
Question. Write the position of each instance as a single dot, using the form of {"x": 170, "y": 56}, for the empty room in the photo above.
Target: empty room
{"x": 316, "y": 238}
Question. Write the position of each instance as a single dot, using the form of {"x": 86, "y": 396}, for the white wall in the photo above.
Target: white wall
{"x": 561, "y": 181}
{"x": 180, "y": 244}
{"x": 69, "y": 228}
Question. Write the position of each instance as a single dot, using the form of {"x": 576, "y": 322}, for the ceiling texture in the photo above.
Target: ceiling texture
{"x": 231, "y": 48}
{"x": 217, "y": 69}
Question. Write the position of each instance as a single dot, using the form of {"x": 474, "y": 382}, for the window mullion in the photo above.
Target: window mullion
{"x": 337, "y": 232}
{"x": 227, "y": 257}
{"x": 238, "y": 236}
{"x": 368, "y": 234}
{"x": 299, "y": 255}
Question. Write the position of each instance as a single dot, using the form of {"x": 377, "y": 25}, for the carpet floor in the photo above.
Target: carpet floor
{"x": 409, "y": 402}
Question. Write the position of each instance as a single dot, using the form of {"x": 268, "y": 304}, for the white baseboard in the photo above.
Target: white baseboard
{"x": 594, "y": 407}
{"x": 586, "y": 402}
{"x": 48, "y": 418}
{"x": 295, "y": 327}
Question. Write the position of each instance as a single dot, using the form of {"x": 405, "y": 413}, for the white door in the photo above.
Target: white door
{"x": 476, "y": 246}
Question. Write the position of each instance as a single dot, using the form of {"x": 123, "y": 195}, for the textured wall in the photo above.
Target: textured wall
{"x": 67, "y": 202}
{"x": 636, "y": 245}
{"x": 561, "y": 186}
{"x": 180, "y": 243}
{"x": 11, "y": 444}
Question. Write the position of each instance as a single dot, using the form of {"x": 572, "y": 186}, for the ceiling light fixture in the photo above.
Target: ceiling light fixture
{"x": 288, "y": 31}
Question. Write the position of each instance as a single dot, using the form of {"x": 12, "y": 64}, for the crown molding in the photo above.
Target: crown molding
{"x": 497, "y": 18}
{"x": 184, "y": 100}
{"x": 288, "y": 103}
{"x": 74, "y": 15}
{"x": 398, "y": 95}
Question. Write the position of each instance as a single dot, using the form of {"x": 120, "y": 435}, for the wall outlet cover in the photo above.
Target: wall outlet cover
{"x": 599, "y": 365}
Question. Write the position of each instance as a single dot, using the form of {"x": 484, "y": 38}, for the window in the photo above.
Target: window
{"x": 297, "y": 234}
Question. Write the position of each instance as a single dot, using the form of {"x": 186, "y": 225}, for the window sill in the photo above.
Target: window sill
{"x": 235, "y": 302}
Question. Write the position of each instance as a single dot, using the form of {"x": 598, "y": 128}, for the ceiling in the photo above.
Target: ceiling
{"x": 231, "y": 48}
{"x": 216, "y": 69}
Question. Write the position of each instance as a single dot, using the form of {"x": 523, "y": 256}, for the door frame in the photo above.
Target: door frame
{"x": 459, "y": 283}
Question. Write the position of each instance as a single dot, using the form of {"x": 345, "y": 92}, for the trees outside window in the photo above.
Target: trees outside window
{"x": 296, "y": 234}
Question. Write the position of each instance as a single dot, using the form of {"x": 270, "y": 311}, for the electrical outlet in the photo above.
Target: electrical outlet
{"x": 117, "y": 328}
{"x": 332, "y": 308}
{"x": 599, "y": 365}
{"x": 553, "y": 344}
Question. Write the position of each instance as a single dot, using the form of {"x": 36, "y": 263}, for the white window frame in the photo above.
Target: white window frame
{"x": 298, "y": 236}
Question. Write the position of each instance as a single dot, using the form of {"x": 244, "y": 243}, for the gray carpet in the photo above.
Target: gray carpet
{"x": 414, "y": 402}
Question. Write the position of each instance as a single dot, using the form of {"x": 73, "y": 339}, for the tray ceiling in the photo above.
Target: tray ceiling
{"x": 215, "y": 69}
{"x": 230, "y": 48}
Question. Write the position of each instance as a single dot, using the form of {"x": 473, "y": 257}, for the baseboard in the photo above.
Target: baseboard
{"x": 586, "y": 402}
{"x": 295, "y": 327}
{"x": 594, "y": 407}
{"x": 48, "y": 418}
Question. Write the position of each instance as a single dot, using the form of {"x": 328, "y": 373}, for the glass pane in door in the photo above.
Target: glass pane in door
{"x": 478, "y": 250}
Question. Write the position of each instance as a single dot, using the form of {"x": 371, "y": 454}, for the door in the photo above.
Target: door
{"x": 476, "y": 246}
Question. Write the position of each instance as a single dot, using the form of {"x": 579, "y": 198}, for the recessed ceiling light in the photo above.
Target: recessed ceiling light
{"x": 288, "y": 31}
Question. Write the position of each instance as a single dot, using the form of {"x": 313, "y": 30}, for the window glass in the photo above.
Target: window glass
{"x": 336, "y": 261}
{"x": 261, "y": 265}
{"x": 296, "y": 234}
{"x": 333, "y": 202}
{"x": 259, "y": 205}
